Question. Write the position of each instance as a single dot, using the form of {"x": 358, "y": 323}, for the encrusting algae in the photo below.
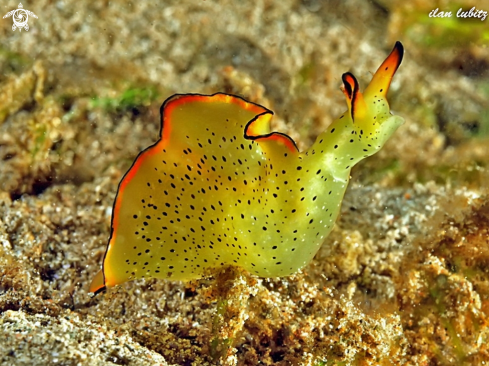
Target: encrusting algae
{"x": 219, "y": 188}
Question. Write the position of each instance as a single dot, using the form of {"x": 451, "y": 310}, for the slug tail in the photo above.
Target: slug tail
{"x": 98, "y": 283}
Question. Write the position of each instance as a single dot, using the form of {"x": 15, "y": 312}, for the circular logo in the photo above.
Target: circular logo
{"x": 20, "y": 18}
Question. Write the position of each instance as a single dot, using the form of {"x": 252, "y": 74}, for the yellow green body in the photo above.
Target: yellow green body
{"x": 220, "y": 189}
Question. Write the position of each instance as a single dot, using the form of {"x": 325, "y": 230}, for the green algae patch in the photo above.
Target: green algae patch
{"x": 129, "y": 99}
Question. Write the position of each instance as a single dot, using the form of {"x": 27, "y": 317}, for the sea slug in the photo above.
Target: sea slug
{"x": 219, "y": 188}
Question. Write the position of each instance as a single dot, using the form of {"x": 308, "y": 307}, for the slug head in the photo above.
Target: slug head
{"x": 370, "y": 111}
